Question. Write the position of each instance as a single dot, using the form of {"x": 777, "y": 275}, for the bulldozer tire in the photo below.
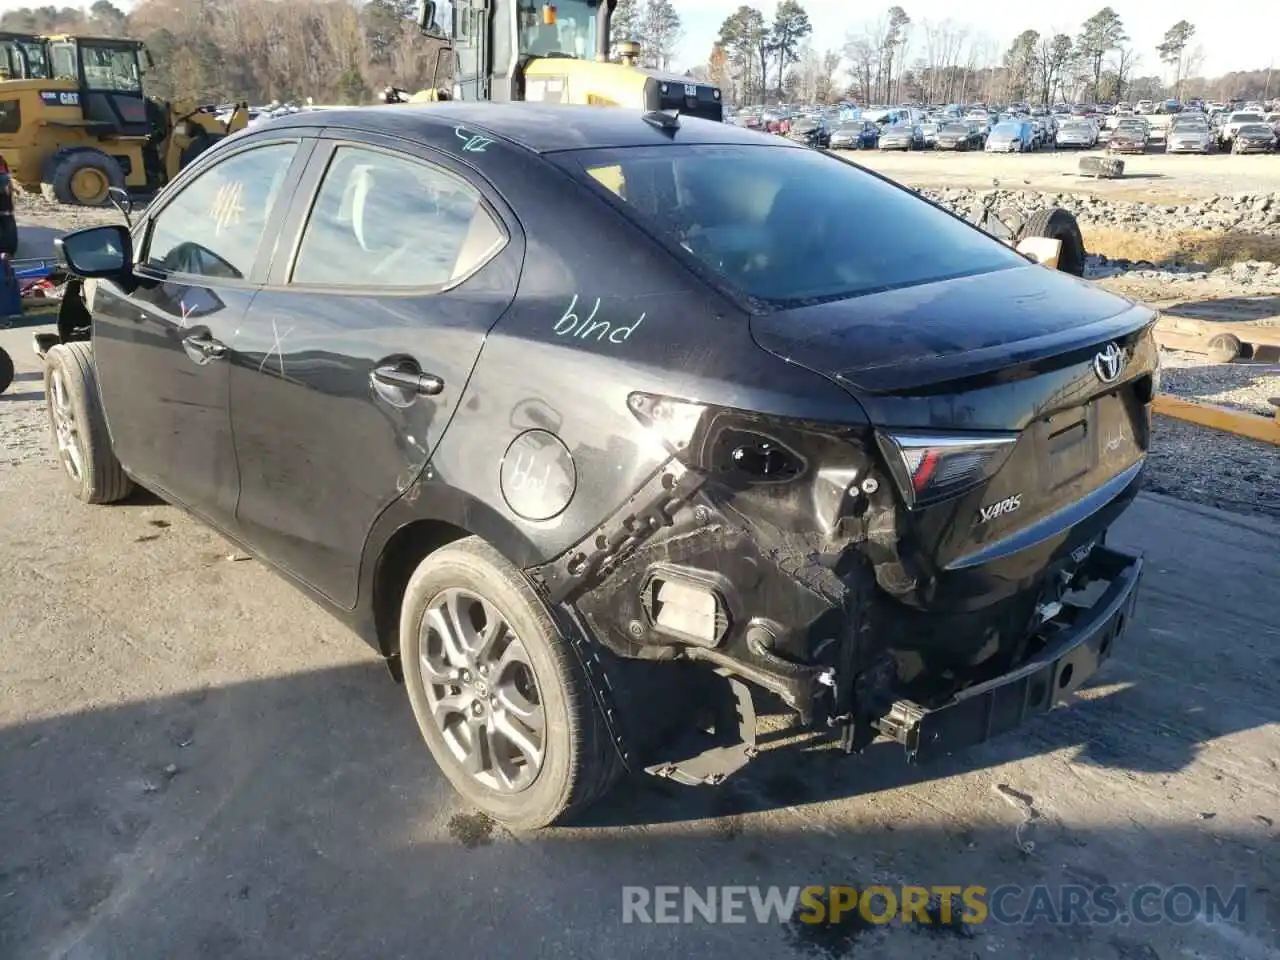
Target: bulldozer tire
{"x": 197, "y": 146}
{"x": 81, "y": 176}
{"x": 1059, "y": 224}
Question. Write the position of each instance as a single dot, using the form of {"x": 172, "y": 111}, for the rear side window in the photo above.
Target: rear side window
{"x": 791, "y": 226}
{"x": 393, "y": 221}
{"x": 214, "y": 226}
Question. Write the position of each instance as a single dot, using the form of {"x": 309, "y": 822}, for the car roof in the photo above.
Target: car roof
{"x": 539, "y": 127}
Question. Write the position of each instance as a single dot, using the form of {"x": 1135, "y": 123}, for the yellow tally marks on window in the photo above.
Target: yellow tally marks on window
{"x": 611, "y": 178}
{"x": 228, "y": 206}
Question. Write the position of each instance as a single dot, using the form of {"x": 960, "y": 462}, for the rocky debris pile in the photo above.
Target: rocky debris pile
{"x": 1257, "y": 213}
{"x": 1259, "y": 274}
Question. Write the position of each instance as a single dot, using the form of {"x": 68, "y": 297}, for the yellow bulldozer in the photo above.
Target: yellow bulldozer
{"x": 510, "y": 50}
{"x": 74, "y": 122}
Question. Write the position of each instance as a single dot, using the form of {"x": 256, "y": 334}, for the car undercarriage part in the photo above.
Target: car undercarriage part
{"x": 771, "y": 552}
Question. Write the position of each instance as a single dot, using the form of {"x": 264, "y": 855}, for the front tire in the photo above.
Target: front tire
{"x": 499, "y": 692}
{"x": 82, "y": 176}
{"x": 79, "y": 429}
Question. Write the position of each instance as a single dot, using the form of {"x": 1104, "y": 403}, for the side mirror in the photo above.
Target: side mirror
{"x": 122, "y": 200}
{"x": 429, "y": 23}
{"x": 97, "y": 251}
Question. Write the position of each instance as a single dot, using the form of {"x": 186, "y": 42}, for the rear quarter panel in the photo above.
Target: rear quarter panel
{"x": 602, "y": 310}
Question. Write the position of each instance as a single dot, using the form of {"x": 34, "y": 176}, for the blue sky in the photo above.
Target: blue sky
{"x": 1239, "y": 34}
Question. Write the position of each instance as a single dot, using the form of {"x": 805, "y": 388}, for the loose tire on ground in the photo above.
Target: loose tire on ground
{"x": 79, "y": 429}
{"x": 6, "y": 370}
{"x": 579, "y": 760}
{"x": 81, "y": 176}
{"x": 1225, "y": 347}
{"x": 1059, "y": 224}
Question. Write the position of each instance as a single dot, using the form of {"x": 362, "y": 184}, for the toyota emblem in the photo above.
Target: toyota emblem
{"x": 1108, "y": 363}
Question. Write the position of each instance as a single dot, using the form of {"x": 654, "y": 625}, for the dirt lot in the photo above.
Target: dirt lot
{"x": 1155, "y": 177}
{"x": 196, "y": 762}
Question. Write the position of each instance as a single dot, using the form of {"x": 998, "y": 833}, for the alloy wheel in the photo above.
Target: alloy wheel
{"x": 481, "y": 691}
{"x": 65, "y": 429}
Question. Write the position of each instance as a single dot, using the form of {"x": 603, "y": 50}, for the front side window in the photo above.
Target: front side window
{"x": 111, "y": 68}
{"x": 572, "y": 32}
{"x": 788, "y": 226}
{"x": 63, "y": 55}
{"x": 392, "y": 221}
{"x": 215, "y": 224}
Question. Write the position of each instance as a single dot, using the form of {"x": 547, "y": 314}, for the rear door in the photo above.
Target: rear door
{"x": 392, "y": 267}
{"x": 161, "y": 349}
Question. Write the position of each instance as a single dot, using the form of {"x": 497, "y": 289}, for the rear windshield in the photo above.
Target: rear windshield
{"x": 790, "y": 226}
{"x": 1245, "y": 118}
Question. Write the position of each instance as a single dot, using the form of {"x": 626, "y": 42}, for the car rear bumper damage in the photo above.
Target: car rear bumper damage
{"x": 679, "y": 575}
{"x": 1079, "y": 640}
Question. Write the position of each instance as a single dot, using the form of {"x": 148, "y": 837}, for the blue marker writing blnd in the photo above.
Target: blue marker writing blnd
{"x": 571, "y": 326}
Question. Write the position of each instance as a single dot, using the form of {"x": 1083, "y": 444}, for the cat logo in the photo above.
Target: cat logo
{"x": 228, "y": 206}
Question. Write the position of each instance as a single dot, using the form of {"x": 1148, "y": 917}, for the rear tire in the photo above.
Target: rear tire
{"x": 6, "y": 370}
{"x": 483, "y": 697}
{"x": 81, "y": 176}
{"x": 81, "y": 441}
{"x": 1059, "y": 224}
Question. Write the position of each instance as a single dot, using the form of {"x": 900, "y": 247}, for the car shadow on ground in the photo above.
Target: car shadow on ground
{"x": 284, "y": 816}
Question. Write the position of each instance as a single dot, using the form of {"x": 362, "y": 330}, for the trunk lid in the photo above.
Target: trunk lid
{"x": 1011, "y": 357}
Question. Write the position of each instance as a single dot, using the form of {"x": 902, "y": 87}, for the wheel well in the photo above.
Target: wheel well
{"x": 406, "y": 549}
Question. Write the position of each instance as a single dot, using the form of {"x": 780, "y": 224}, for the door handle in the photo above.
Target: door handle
{"x": 202, "y": 348}
{"x": 408, "y": 378}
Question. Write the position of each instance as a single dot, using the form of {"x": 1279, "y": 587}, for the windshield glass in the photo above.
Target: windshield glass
{"x": 573, "y": 33}
{"x": 111, "y": 68}
{"x": 37, "y": 65}
{"x": 1260, "y": 128}
{"x": 790, "y": 226}
{"x": 955, "y": 128}
{"x": 1005, "y": 130}
{"x": 1245, "y": 118}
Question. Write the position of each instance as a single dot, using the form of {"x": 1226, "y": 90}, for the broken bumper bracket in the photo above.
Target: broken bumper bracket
{"x": 1071, "y": 656}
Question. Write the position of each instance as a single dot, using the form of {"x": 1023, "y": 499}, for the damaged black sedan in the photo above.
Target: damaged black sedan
{"x": 605, "y": 429}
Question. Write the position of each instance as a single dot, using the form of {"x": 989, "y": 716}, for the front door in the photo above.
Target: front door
{"x": 352, "y": 361}
{"x": 165, "y": 346}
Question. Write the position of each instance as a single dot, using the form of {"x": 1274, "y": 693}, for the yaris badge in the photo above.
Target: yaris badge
{"x": 1108, "y": 363}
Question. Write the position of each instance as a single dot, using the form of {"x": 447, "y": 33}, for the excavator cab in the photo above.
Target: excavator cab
{"x": 109, "y": 75}
{"x": 554, "y": 52}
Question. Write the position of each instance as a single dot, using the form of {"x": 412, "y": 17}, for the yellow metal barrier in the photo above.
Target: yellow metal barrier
{"x": 1266, "y": 429}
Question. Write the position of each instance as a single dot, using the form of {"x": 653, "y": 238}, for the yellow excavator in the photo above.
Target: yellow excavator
{"x": 74, "y": 122}
{"x": 510, "y": 50}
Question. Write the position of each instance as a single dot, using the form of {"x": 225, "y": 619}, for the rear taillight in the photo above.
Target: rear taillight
{"x": 933, "y": 467}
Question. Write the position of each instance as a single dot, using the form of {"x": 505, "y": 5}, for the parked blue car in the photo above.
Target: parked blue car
{"x": 1011, "y": 136}
{"x": 855, "y": 135}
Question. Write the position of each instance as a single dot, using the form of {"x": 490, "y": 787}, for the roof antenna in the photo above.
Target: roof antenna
{"x": 666, "y": 120}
